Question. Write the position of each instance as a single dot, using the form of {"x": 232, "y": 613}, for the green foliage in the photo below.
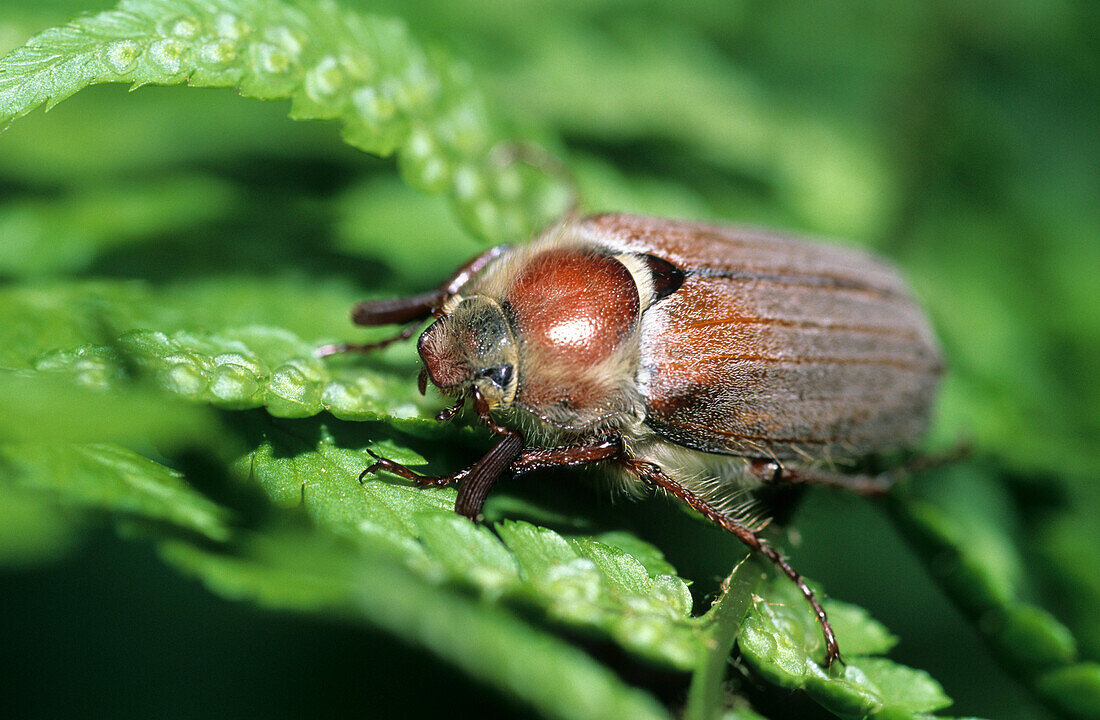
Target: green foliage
{"x": 285, "y": 570}
{"x": 250, "y": 367}
{"x": 583, "y": 582}
{"x": 390, "y": 94}
{"x": 782, "y": 641}
{"x": 988, "y": 585}
{"x": 45, "y": 237}
{"x": 170, "y": 261}
{"x": 116, "y": 479}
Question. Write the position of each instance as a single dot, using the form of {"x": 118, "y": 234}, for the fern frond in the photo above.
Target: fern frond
{"x": 390, "y": 93}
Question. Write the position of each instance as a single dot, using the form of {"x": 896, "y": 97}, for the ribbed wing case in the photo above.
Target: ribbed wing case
{"x": 776, "y": 347}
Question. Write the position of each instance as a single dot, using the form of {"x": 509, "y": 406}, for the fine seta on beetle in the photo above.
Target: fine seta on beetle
{"x": 707, "y": 361}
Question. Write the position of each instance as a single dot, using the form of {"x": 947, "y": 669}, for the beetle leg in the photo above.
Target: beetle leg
{"x": 394, "y": 311}
{"x": 464, "y": 274}
{"x": 533, "y": 459}
{"x": 447, "y": 413}
{"x": 770, "y": 471}
{"x": 922, "y": 463}
{"x": 653, "y": 475}
{"x": 507, "y": 455}
{"x": 511, "y": 455}
{"x": 480, "y": 477}
{"x": 381, "y": 463}
{"x": 865, "y": 485}
{"x": 481, "y": 406}
{"x": 474, "y": 481}
{"x": 391, "y": 311}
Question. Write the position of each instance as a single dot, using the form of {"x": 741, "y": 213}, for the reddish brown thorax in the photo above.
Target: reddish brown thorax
{"x": 574, "y": 306}
{"x": 572, "y": 310}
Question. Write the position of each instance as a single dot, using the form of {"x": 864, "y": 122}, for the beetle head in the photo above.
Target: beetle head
{"x": 472, "y": 346}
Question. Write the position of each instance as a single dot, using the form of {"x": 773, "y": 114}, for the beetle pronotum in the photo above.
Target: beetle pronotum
{"x": 697, "y": 359}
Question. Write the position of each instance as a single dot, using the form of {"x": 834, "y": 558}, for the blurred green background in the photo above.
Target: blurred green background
{"x": 959, "y": 139}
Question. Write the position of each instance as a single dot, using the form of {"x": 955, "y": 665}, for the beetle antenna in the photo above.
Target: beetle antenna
{"x": 341, "y": 348}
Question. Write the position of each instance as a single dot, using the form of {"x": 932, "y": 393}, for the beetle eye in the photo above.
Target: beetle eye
{"x": 500, "y": 375}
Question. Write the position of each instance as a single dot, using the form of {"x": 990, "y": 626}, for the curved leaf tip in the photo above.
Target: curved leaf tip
{"x": 333, "y": 64}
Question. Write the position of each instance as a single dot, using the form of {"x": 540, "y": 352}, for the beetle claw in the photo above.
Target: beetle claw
{"x": 380, "y": 463}
{"x": 369, "y": 471}
{"x": 400, "y": 470}
{"x": 448, "y": 413}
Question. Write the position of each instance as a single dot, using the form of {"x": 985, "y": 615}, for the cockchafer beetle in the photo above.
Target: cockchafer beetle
{"x": 703, "y": 360}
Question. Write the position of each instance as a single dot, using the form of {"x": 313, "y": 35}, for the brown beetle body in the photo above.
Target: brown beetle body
{"x": 700, "y": 359}
{"x": 778, "y": 348}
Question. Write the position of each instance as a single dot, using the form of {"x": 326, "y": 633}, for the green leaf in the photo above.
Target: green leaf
{"x": 37, "y": 318}
{"x": 908, "y": 689}
{"x": 1073, "y": 689}
{"x": 622, "y": 570}
{"x": 742, "y": 713}
{"x": 959, "y": 521}
{"x": 650, "y": 556}
{"x": 65, "y": 234}
{"x": 861, "y": 633}
{"x": 962, "y": 514}
{"x": 40, "y": 407}
{"x": 112, "y": 479}
{"x": 469, "y": 552}
{"x": 300, "y": 572}
{"x": 248, "y": 368}
{"x": 583, "y": 583}
{"x": 1066, "y": 539}
{"x": 55, "y": 318}
{"x": 1030, "y": 636}
{"x": 33, "y": 528}
{"x": 390, "y": 94}
{"x": 782, "y": 641}
{"x": 722, "y": 625}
